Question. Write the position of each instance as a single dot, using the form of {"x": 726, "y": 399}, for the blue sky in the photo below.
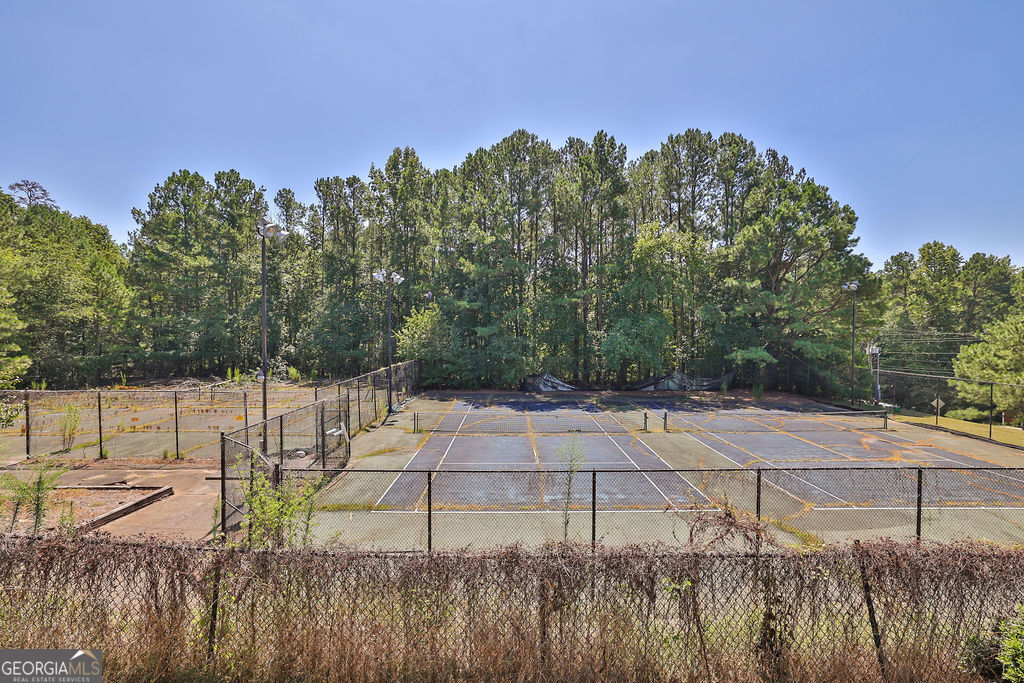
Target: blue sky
{"x": 911, "y": 112}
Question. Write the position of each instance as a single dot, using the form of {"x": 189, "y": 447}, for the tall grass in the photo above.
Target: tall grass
{"x": 563, "y": 612}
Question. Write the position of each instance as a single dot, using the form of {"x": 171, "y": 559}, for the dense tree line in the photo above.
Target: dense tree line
{"x": 702, "y": 255}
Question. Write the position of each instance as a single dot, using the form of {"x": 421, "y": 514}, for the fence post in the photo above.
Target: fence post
{"x": 430, "y": 513}
{"x": 373, "y": 393}
{"x": 593, "y": 509}
{"x": 348, "y": 411}
{"x": 177, "y": 448}
{"x": 280, "y": 422}
{"x": 936, "y": 409}
{"x": 991, "y": 406}
{"x": 920, "y": 488}
{"x": 99, "y": 419}
{"x": 223, "y": 488}
{"x": 875, "y": 633}
{"x": 359, "y": 406}
{"x": 28, "y": 429}
{"x": 323, "y": 439}
{"x": 276, "y": 475}
{"x": 245, "y": 414}
{"x": 758, "y": 504}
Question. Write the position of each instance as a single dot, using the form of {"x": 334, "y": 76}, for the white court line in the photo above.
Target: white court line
{"x": 715, "y": 450}
{"x": 985, "y": 467}
{"x": 429, "y": 436}
{"x": 653, "y": 452}
{"x": 667, "y": 499}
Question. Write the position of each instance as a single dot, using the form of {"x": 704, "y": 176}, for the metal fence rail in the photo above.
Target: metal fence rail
{"x": 437, "y": 509}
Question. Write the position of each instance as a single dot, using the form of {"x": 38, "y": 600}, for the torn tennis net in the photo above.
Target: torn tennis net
{"x": 747, "y": 423}
{"x": 625, "y": 422}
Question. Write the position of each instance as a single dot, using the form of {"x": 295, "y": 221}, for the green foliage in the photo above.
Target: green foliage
{"x": 968, "y": 414}
{"x": 276, "y": 516}
{"x": 703, "y": 254}
{"x": 70, "y": 422}
{"x": 998, "y": 357}
{"x": 571, "y": 456}
{"x": 1011, "y": 648}
{"x": 32, "y": 493}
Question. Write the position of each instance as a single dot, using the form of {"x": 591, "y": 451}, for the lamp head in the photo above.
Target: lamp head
{"x": 397, "y": 279}
{"x": 379, "y": 274}
{"x": 268, "y": 228}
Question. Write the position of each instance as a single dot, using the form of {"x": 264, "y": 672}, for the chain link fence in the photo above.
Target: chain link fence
{"x": 183, "y": 423}
{"x": 871, "y": 611}
{"x": 136, "y": 423}
{"x": 403, "y": 510}
{"x": 314, "y": 438}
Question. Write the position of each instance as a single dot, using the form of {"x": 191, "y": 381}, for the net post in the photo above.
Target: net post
{"x": 758, "y": 503}
{"x": 430, "y": 513}
{"x": 28, "y": 429}
{"x": 99, "y": 419}
{"x": 885, "y": 420}
{"x": 316, "y": 393}
{"x": 664, "y": 419}
{"x": 177, "y": 447}
{"x": 920, "y": 488}
{"x": 645, "y": 420}
{"x": 593, "y": 509}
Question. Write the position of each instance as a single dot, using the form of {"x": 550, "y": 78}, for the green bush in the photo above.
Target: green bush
{"x": 758, "y": 390}
{"x": 968, "y": 414}
{"x": 1011, "y": 648}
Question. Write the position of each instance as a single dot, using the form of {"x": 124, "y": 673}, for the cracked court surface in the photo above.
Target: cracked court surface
{"x": 500, "y": 452}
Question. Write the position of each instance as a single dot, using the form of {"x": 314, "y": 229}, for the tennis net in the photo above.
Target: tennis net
{"x": 747, "y": 423}
{"x": 518, "y": 423}
{"x": 625, "y": 422}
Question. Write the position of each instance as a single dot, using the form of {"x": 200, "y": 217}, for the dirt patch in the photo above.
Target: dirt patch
{"x": 74, "y": 505}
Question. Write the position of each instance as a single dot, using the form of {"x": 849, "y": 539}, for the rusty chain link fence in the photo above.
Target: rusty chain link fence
{"x": 870, "y": 611}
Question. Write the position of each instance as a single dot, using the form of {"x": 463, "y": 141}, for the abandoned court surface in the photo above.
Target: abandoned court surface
{"x": 478, "y": 468}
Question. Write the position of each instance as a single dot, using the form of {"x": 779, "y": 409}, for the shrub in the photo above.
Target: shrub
{"x": 758, "y": 390}
{"x": 1011, "y": 648}
{"x": 70, "y": 422}
{"x": 968, "y": 414}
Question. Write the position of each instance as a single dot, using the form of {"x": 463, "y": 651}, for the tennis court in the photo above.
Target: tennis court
{"x": 802, "y": 454}
{"x": 489, "y": 469}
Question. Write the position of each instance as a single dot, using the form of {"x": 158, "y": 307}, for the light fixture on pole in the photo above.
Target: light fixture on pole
{"x": 266, "y": 228}
{"x": 381, "y": 275}
{"x": 852, "y": 287}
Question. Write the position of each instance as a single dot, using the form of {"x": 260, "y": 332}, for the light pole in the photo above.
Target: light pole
{"x": 381, "y": 275}
{"x": 875, "y": 353}
{"x": 852, "y": 287}
{"x": 266, "y": 229}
